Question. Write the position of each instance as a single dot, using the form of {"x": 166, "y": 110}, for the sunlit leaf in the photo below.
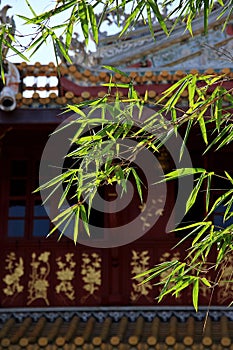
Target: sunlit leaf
{"x": 93, "y": 23}
{"x": 195, "y": 293}
{"x": 84, "y": 219}
{"x": 84, "y": 19}
{"x": 138, "y": 182}
{"x": 154, "y": 6}
{"x": 76, "y": 224}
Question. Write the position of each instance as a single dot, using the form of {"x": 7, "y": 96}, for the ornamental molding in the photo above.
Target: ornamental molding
{"x": 100, "y": 314}
{"x": 121, "y": 51}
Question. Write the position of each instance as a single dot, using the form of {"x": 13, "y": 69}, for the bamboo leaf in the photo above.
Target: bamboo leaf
{"x": 133, "y": 16}
{"x": 63, "y": 219}
{"x": 1, "y": 57}
{"x": 77, "y": 110}
{"x": 138, "y": 183}
{"x": 220, "y": 135}
{"x": 220, "y": 200}
{"x": 207, "y": 197}
{"x": 57, "y": 179}
{"x": 201, "y": 121}
{"x": 61, "y": 48}
{"x": 84, "y": 219}
{"x": 229, "y": 177}
{"x": 70, "y": 28}
{"x": 182, "y": 172}
{"x": 202, "y": 231}
{"x": 205, "y": 282}
{"x": 116, "y": 70}
{"x": 150, "y": 20}
{"x": 14, "y": 49}
{"x": 192, "y": 90}
{"x": 196, "y": 224}
{"x": 195, "y": 293}
{"x": 102, "y": 16}
{"x": 84, "y": 19}
{"x": 187, "y": 131}
{"x": 48, "y": 14}
{"x": 156, "y": 271}
{"x": 193, "y": 195}
{"x": 65, "y": 227}
{"x": 65, "y": 192}
{"x": 218, "y": 113}
{"x": 76, "y": 224}
{"x": 228, "y": 212}
{"x": 65, "y": 212}
{"x": 228, "y": 139}
{"x": 154, "y": 6}
{"x": 173, "y": 88}
{"x": 93, "y": 23}
{"x": 30, "y": 8}
{"x": 176, "y": 96}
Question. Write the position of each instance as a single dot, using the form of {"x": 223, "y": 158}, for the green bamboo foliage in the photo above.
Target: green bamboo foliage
{"x": 84, "y": 12}
{"x": 209, "y": 112}
{"x": 101, "y": 147}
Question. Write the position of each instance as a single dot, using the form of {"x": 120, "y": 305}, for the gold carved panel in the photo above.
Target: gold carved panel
{"x": 155, "y": 209}
{"x": 140, "y": 263}
{"x": 91, "y": 275}
{"x": 38, "y": 279}
{"x": 65, "y": 275}
{"x": 225, "y": 292}
{"x": 15, "y": 270}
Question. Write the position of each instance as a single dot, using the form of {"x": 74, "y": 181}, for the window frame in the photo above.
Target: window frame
{"x": 19, "y": 148}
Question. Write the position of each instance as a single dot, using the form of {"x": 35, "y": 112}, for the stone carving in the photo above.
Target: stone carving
{"x": 78, "y": 53}
{"x": 11, "y": 73}
{"x": 9, "y": 24}
{"x": 179, "y": 51}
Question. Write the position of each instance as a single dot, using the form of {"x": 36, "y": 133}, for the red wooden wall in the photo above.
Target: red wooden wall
{"x": 40, "y": 271}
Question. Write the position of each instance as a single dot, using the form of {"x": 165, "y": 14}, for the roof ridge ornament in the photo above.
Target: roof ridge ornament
{"x": 9, "y": 23}
{"x": 79, "y": 54}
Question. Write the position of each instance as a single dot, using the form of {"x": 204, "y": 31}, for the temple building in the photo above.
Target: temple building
{"x": 57, "y": 295}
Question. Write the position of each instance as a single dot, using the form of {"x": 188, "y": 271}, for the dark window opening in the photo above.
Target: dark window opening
{"x": 26, "y": 216}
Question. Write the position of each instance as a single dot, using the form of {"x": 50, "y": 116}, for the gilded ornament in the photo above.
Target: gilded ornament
{"x": 38, "y": 283}
{"x": 155, "y": 209}
{"x": 140, "y": 263}
{"x": 225, "y": 292}
{"x": 91, "y": 275}
{"x": 15, "y": 272}
{"x": 65, "y": 275}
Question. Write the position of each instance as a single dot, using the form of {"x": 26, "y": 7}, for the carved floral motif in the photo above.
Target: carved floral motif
{"x": 91, "y": 275}
{"x": 38, "y": 283}
{"x": 155, "y": 209}
{"x": 65, "y": 275}
{"x": 140, "y": 263}
{"x": 225, "y": 293}
{"x": 15, "y": 270}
